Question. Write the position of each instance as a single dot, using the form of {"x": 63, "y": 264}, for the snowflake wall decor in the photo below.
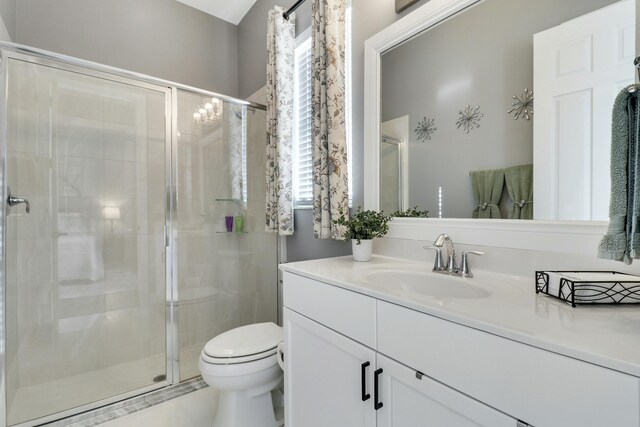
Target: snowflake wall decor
{"x": 426, "y": 128}
{"x": 469, "y": 118}
{"x": 522, "y": 105}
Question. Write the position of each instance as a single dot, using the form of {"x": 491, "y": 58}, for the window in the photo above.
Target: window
{"x": 302, "y": 132}
{"x": 348, "y": 98}
{"x": 302, "y": 124}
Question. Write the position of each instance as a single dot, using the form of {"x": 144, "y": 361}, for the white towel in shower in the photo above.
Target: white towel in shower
{"x": 80, "y": 257}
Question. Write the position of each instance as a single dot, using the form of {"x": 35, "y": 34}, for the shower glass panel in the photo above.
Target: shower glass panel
{"x": 225, "y": 278}
{"x": 85, "y": 284}
{"x": 390, "y": 176}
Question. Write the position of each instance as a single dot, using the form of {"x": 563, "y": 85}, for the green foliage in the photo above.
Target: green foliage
{"x": 413, "y": 212}
{"x": 363, "y": 224}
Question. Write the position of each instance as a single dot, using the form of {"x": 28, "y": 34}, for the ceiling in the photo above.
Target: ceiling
{"x": 232, "y": 11}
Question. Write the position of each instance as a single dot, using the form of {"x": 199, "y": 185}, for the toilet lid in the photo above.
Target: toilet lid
{"x": 245, "y": 340}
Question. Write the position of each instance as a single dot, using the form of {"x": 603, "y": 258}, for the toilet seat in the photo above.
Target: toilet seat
{"x": 238, "y": 359}
{"x": 244, "y": 344}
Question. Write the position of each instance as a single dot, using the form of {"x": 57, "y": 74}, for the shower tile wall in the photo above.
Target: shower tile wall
{"x": 259, "y": 281}
{"x": 85, "y": 270}
{"x": 225, "y": 279}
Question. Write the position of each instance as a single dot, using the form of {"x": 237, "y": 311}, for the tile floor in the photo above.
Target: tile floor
{"x": 195, "y": 409}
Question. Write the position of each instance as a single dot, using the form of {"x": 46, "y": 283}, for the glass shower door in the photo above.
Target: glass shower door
{"x": 226, "y": 266}
{"x": 86, "y": 268}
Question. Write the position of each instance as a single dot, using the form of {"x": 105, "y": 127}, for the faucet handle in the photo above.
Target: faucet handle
{"x": 438, "y": 263}
{"x": 465, "y": 271}
{"x": 452, "y": 267}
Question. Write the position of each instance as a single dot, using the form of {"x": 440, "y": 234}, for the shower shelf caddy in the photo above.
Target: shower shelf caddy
{"x": 575, "y": 292}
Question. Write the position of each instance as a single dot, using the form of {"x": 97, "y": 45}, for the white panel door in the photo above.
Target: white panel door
{"x": 409, "y": 401}
{"x": 579, "y": 68}
{"x": 323, "y": 376}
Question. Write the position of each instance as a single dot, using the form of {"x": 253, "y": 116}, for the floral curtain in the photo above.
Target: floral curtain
{"x": 280, "y": 62}
{"x": 330, "y": 167}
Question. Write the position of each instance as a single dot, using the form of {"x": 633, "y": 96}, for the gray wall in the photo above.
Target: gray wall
{"x": 162, "y": 38}
{"x": 252, "y": 43}
{"x": 488, "y": 58}
{"x": 8, "y": 13}
{"x": 368, "y": 17}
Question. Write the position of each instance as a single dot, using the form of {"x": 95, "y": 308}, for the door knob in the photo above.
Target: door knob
{"x": 13, "y": 201}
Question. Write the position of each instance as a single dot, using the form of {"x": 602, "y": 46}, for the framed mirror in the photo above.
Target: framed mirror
{"x": 450, "y": 123}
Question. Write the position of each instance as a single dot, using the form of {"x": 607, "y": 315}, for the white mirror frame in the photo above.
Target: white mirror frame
{"x": 578, "y": 237}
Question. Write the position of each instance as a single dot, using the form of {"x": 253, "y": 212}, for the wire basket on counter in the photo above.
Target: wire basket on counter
{"x": 589, "y": 287}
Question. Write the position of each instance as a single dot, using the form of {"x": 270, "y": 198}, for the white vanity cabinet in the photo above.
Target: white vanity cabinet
{"x": 529, "y": 383}
{"x": 411, "y": 399}
{"x": 326, "y": 357}
{"x": 357, "y": 360}
{"x": 324, "y": 376}
{"x": 334, "y": 380}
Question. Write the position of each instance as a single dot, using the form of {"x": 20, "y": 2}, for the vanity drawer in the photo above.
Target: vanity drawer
{"x": 349, "y": 313}
{"x": 528, "y": 383}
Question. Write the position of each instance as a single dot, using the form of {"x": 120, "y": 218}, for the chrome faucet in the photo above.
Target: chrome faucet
{"x": 441, "y": 241}
{"x": 451, "y": 267}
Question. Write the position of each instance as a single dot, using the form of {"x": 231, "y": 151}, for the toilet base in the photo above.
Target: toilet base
{"x": 232, "y": 410}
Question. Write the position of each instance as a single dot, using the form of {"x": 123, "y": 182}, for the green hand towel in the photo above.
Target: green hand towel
{"x": 633, "y": 204}
{"x": 621, "y": 242}
{"x": 487, "y": 189}
{"x": 519, "y": 181}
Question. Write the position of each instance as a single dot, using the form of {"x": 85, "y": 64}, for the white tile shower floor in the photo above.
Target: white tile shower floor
{"x": 39, "y": 400}
{"x": 195, "y": 409}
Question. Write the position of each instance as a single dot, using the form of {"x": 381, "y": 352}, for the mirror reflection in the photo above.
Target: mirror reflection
{"x": 460, "y": 137}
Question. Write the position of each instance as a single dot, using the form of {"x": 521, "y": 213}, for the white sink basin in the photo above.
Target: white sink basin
{"x": 422, "y": 283}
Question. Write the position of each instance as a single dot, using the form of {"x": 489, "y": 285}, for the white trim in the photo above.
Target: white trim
{"x": 556, "y": 236}
{"x": 303, "y": 36}
{"x": 571, "y": 237}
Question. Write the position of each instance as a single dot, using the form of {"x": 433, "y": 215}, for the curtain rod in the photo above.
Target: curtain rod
{"x": 292, "y": 9}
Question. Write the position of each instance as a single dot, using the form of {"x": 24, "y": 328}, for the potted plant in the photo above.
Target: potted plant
{"x": 362, "y": 227}
{"x": 414, "y": 212}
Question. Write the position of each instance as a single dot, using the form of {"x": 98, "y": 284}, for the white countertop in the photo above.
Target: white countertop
{"x": 605, "y": 335}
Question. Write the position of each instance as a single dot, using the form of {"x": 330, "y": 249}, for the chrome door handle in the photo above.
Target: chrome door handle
{"x": 13, "y": 201}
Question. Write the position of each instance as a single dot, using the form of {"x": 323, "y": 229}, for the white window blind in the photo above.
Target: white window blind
{"x": 302, "y": 123}
{"x": 348, "y": 100}
{"x": 302, "y": 142}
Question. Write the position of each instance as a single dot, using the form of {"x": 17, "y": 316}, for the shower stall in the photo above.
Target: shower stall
{"x": 117, "y": 263}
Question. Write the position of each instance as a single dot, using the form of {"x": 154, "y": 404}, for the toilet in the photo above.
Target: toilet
{"x": 242, "y": 364}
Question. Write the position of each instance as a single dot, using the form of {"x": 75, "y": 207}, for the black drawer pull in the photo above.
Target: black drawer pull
{"x": 376, "y": 404}
{"x": 363, "y": 374}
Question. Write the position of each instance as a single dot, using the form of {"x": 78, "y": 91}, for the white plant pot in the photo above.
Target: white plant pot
{"x": 362, "y": 251}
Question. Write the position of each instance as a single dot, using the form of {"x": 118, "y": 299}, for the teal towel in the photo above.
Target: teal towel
{"x": 519, "y": 181}
{"x": 487, "y": 189}
{"x": 622, "y": 243}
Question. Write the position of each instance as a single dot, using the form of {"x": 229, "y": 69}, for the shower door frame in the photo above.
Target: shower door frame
{"x": 13, "y": 51}
{"x": 5, "y": 57}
